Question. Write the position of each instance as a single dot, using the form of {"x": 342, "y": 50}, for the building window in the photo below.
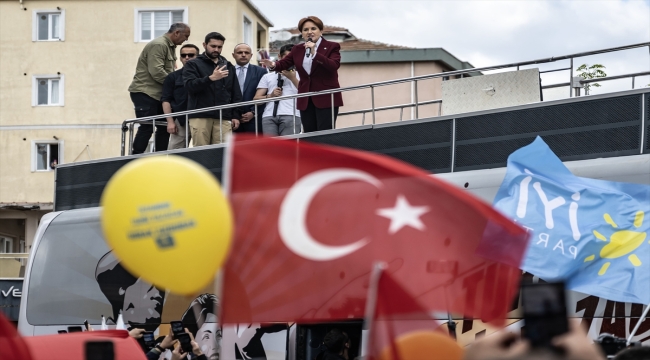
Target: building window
{"x": 48, "y": 25}
{"x": 151, "y": 23}
{"x": 248, "y": 31}
{"x": 6, "y": 245}
{"x": 47, "y": 90}
{"x": 46, "y": 155}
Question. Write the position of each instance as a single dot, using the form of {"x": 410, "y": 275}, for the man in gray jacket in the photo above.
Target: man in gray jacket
{"x": 157, "y": 60}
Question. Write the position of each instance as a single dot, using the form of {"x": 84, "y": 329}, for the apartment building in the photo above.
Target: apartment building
{"x": 65, "y": 67}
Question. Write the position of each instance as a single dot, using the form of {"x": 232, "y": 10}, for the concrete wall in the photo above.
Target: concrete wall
{"x": 97, "y": 60}
{"x": 363, "y": 73}
{"x": 18, "y": 183}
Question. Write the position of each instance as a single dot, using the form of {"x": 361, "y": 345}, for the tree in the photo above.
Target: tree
{"x": 591, "y": 72}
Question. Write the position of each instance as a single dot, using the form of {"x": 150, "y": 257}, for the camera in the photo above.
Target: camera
{"x": 610, "y": 344}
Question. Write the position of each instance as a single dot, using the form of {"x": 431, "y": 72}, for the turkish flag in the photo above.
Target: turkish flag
{"x": 311, "y": 220}
{"x": 403, "y": 329}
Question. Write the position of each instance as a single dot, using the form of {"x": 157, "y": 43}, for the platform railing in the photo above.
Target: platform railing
{"x": 12, "y": 265}
{"x": 129, "y": 125}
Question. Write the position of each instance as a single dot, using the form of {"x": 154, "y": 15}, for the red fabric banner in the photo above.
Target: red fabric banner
{"x": 402, "y": 327}
{"x": 311, "y": 220}
{"x": 12, "y": 346}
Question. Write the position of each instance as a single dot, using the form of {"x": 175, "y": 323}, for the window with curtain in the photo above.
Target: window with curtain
{"x": 48, "y": 91}
{"x": 154, "y": 24}
{"x": 48, "y": 26}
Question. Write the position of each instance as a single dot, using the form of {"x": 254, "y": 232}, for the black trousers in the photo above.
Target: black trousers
{"x": 145, "y": 106}
{"x": 315, "y": 119}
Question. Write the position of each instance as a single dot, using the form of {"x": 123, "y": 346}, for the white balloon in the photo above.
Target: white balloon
{"x": 292, "y": 223}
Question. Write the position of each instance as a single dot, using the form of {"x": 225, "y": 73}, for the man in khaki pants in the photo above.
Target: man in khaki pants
{"x": 210, "y": 80}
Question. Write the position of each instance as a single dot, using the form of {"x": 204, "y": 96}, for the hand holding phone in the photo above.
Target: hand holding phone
{"x": 149, "y": 339}
{"x": 177, "y": 328}
{"x": 185, "y": 342}
{"x": 545, "y": 314}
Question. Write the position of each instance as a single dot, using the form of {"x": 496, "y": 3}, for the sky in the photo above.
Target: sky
{"x": 489, "y": 33}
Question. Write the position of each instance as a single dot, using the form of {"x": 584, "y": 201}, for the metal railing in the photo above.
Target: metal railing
{"x": 128, "y": 125}
{"x": 12, "y": 265}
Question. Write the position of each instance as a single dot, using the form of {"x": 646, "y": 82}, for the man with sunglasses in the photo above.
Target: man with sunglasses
{"x": 174, "y": 99}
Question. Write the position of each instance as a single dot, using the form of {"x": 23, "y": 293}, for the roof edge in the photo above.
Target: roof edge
{"x": 258, "y": 12}
{"x": 402, "y": 55}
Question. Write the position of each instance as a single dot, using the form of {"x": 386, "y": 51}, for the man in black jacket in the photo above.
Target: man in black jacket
{"x": 174, "y": 99}
{"x": 210, "y": 80}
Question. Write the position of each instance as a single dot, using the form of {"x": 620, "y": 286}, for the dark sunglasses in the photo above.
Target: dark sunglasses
{"x": 188, "y": 55}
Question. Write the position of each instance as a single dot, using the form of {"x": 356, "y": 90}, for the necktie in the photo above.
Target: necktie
{"x": 241, "y": 77}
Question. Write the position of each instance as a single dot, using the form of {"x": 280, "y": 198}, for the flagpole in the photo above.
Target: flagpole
{"x": 371, "y": 304}
{"x": 638, "y": 324}
{"x": 451, "y": 324}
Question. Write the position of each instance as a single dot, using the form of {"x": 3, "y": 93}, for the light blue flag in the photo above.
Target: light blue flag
{"x": 591, "y": 233}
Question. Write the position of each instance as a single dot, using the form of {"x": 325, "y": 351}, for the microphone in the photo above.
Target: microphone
{"x": 277, "y": 102}
{"x": 308, "y": 49}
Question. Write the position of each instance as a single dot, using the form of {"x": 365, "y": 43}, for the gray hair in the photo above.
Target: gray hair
{"x": 177, "y": 26}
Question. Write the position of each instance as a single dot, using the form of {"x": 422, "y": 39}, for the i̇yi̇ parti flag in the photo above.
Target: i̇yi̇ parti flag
{"x": 310, "y": 220}
{"x": 591, "y": 233}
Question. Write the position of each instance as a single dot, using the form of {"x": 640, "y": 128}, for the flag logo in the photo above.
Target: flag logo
{"x": 620, "y": 243}
{"x": 591, "y": 233}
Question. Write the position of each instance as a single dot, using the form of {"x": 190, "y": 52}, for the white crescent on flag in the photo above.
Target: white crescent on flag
{"x": 292, "y": 222}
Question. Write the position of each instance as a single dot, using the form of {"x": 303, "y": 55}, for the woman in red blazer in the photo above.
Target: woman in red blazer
{"x": 318, "y": 71}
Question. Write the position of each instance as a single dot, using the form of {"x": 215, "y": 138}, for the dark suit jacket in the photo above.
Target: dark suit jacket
{"x": 324, "y": 73}
{"x": 253, "y": 76}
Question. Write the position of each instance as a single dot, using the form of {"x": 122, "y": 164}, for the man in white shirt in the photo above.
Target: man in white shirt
{"x": 284, "y": 122}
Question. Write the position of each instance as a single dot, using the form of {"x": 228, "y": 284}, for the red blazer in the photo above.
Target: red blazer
{"x": 324, "y": 73}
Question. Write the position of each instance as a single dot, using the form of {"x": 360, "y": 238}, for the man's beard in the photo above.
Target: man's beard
{"x": 214, "y": 55}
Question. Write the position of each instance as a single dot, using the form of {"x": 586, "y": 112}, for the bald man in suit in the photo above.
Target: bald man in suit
{"x": 248, "y": 76}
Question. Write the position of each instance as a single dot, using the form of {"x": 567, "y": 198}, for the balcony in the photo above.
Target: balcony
{"x": 12, "y": 266}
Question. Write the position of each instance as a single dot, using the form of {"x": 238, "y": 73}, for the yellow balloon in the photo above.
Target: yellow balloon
{"x": 167, "y": 220}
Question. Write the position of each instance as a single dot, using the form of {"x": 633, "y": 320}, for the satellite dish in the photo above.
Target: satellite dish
{"x": 280, "y": 36}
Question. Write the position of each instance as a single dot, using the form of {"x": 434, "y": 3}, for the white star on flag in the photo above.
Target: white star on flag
{"x": 403, "y": 214}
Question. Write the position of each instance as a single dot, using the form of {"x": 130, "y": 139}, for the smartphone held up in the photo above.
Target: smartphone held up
{"x": 545, "y": 312}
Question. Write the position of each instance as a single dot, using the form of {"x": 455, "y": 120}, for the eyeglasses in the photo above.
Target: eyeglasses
{"x": 188, "y": 55}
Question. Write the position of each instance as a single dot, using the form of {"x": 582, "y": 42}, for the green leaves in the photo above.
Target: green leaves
{"x": 591, "y": 72}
